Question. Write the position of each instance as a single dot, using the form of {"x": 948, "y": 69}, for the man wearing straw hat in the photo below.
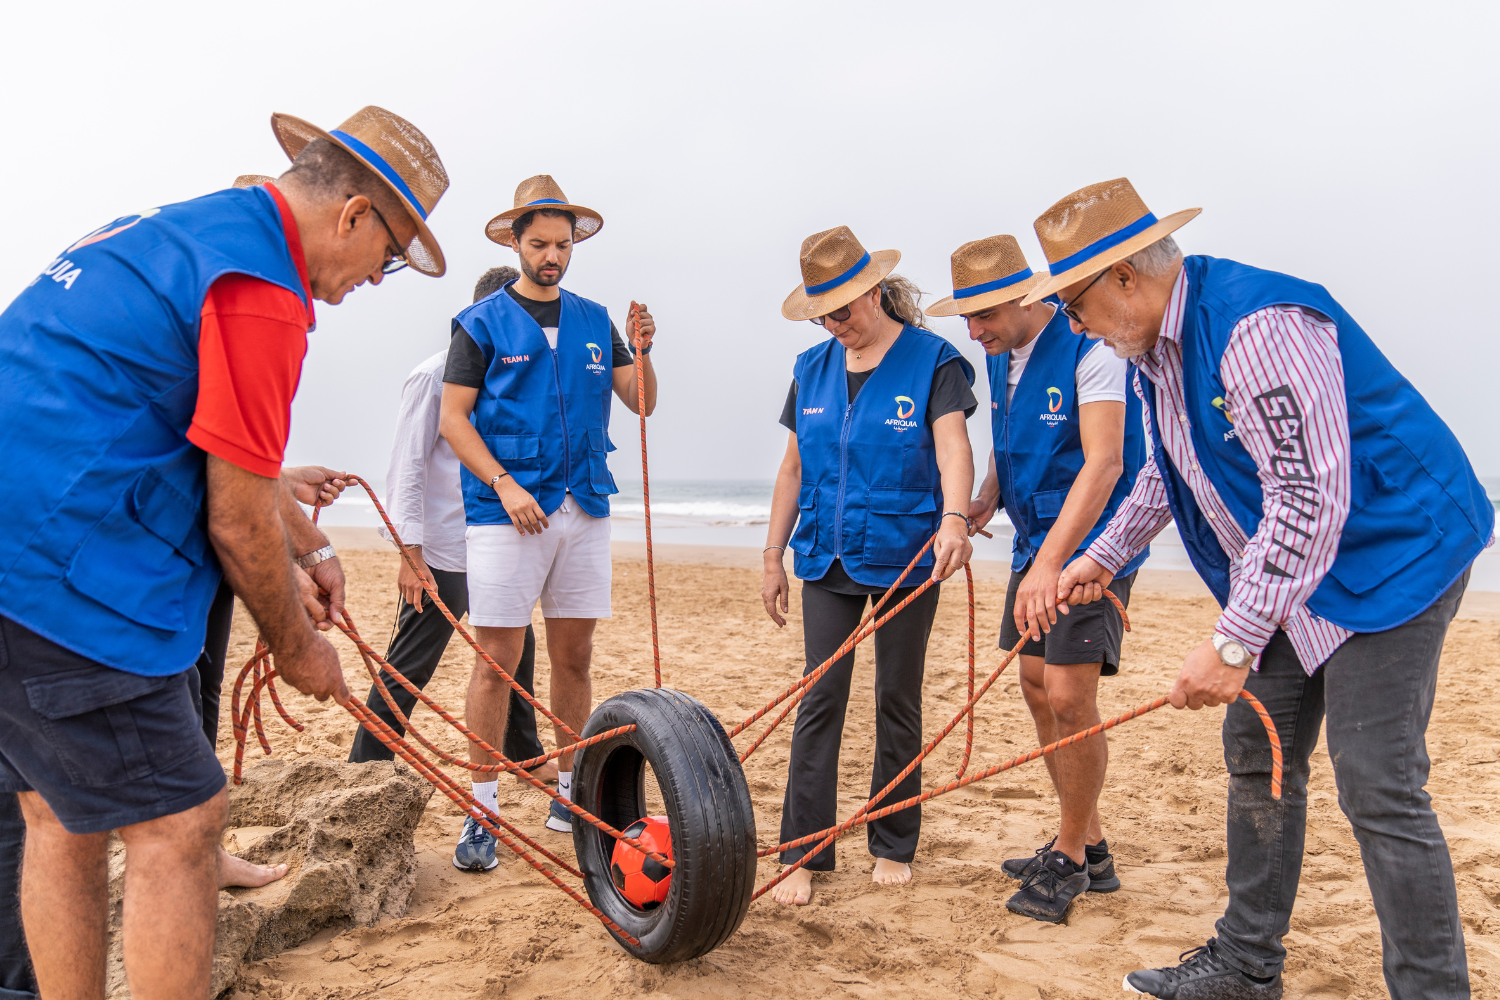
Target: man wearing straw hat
{"x": 149, "y": 372}
{"x": 1335, "y": 517}
{"x": 526, "y": 404}
{"x": 1068, "y": 444}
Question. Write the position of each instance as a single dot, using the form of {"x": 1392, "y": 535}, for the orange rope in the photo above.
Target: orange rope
{"x": 640, "y": 388}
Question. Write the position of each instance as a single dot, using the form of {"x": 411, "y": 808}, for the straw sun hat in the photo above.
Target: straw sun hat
{"x": 395, "y": 150}
{"x": 251, "y": 180}
{"x": 1095, "y": 227}
{"x": 987, "y": 273}
{"x": 537, "y": 192}
{"x": 836, "y": 270}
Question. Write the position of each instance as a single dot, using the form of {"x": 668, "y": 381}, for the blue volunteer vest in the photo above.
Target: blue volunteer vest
{"x": 1038, "y": 447}
{"x": 104, "y": 548}
{"x": 543, "y": 413}
{"x": 870, "y": 493}
{"x": 1417, "y": 514}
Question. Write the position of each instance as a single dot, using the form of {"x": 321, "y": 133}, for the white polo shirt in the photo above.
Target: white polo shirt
{"x": 423, "y": 496}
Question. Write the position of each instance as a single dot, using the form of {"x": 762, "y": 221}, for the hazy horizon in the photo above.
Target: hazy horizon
{"x": 1351, "y": 145}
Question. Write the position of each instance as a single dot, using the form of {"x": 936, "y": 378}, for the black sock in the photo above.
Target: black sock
{"x": 1096, "y": 853}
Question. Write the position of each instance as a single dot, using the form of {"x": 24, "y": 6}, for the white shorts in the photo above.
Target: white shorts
{"x": 566, "y": 567}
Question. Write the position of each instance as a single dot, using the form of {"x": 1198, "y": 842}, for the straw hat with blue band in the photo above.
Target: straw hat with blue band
{"x": 537, "y": 192}
{"x": 987, "y": 273}
{"x": 252, "y": 180}
{"x": 396, "y": 151}
{"x": 836, "y": 270}
{"x": 1094, "y": 228}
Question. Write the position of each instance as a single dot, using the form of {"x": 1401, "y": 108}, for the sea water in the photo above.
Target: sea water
{"x": 737, "y": 511}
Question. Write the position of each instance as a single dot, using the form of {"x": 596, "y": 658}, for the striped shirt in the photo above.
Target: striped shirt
{"x": 1284, "y": 394}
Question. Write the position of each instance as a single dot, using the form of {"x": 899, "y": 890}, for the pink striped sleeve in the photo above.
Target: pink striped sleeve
{"x": 1284, "y": 387}
{"x": 1141, "y": 516}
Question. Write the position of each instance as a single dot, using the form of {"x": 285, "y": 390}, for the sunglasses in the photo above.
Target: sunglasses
{"x": 1067, "y": 307}
{"x": 395, "y": 259}
{"x": 838, "y": 316}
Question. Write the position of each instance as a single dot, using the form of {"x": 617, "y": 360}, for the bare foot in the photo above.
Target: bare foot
{"x": 890, "y": 872}
{"x": 238, "y": 873}
{"x": 546, "y": 773}
{"x": 795, "y": 889}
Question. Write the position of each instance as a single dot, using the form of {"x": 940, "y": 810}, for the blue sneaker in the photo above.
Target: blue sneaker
{"x": 559, "y": 819}
{"x": 476, "y": 848}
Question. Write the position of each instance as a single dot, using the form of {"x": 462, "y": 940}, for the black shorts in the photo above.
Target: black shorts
{"x": 103, "y": 748}
{"x": 1088, "y": 633}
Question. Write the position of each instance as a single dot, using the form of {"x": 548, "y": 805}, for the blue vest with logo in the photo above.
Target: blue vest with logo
{"x": 104, "y": 549}
{"x": 1417, "y": 514}
{"x": 543, "y": 413}
{"x": 1038, "y": 447}
{"x": 871, "y": 494}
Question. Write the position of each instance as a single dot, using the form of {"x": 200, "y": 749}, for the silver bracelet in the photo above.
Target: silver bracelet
{"x": 768, "y": 548}
{"x": 310, "y": 559}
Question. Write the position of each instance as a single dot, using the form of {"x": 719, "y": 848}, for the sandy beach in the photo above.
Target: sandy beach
{"x": 510, "y": 933}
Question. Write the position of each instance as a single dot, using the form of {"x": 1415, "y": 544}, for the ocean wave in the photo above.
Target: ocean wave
{"x": 714, "y": 512}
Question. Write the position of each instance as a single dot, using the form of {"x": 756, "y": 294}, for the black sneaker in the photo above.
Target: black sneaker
{"x": 1102, "y": 877}
{"x": 1022, "y": 869}
{"x": 1051, "y": 889}
{"x": 1202, "y": 975}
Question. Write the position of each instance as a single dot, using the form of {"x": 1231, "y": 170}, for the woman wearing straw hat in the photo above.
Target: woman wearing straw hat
{"x": 877, "y": 461}
{"x": 149, "y": 375}
{"x": 1068, "y": 444}
{"x": 1335, "y": 517}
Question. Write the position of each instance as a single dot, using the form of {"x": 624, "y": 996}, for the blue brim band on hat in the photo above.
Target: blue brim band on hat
{"x": 992, "y": 286}
{"x": 832, "y": 283}
{"x": 1097, "y": 247}
{"x": 375, "y": 160}
{"x": 546, "y": 201}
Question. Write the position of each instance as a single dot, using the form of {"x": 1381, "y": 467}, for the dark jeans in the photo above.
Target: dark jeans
{"x": 16, "y": 982}
{"x": 812, "y": 782}
{"x": 1376, "y": 692}
{"x": 416, "y": 649}
{"x": 211, "y": 663}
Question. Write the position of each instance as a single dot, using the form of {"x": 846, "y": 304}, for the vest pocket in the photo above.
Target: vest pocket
{"x": 520, "y": 455}
{"x": 1048, "y": 505}
{"x": 1386, "y": 532}
{"x": 897, "y": 523}
{"x": 138, "y": 559}
{"x": 805, "y": 538}
{"x": 600, "y": 478}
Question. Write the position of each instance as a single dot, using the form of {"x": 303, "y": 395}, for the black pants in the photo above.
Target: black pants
{"x": 812, "y": 781}
{"x": 1376, "y": 692}
{"x": 16, "y": 982}
{"x": 211, "y": 663}
{"x": 416, "y": 649}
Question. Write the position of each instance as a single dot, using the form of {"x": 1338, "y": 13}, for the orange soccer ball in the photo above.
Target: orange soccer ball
{"x": 643, "y": 881}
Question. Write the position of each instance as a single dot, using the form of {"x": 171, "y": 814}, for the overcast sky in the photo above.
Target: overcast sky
{"x": 1350, "y": 144}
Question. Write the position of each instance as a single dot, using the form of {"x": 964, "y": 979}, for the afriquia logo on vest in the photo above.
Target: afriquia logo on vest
{"x": 1218, "y": 402}
{"x": 61, "y": 269}
{"x": 1054, "y": 403}
{"x": 905, "y": 407}
{"x": 596, "y": 354}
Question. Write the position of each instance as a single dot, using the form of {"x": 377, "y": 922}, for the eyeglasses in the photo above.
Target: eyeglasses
{"x": 395, "y": 259}
{"x": 1068, "y": 306}
{"x": 838, "y": 316}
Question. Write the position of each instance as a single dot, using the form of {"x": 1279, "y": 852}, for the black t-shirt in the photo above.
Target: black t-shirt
{"x": 466, "y": 364}
{"x": 950, "y": 393}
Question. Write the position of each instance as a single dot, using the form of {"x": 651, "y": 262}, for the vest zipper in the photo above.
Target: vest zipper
{"x": 838, "y": 507}
{"x": 562, "y": 412}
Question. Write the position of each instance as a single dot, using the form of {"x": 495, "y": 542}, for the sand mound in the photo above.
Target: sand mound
{"x": 947, "y": 933}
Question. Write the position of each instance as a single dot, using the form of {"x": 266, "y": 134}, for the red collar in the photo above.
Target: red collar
{"x": 294, "y": 244}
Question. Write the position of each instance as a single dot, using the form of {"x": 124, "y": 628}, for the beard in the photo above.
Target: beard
{"x": 545, "y": 280}
{"x": 1129, "y": 337}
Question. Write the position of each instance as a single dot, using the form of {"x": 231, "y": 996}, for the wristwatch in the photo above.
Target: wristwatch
{"x": 1232, "y": 652}
{"x": 310, "y": 559}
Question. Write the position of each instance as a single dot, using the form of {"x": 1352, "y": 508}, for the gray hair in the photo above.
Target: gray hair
{"x": 1161, "y": 257}
{"x": 902, "y": 301}
{"x": 327, "y": 169}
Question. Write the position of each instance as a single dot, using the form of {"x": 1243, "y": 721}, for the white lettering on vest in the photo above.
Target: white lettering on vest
{"x": 808, "y": 411}
{"x": 901, "y": 425}
{"x": 69, "y": 278}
